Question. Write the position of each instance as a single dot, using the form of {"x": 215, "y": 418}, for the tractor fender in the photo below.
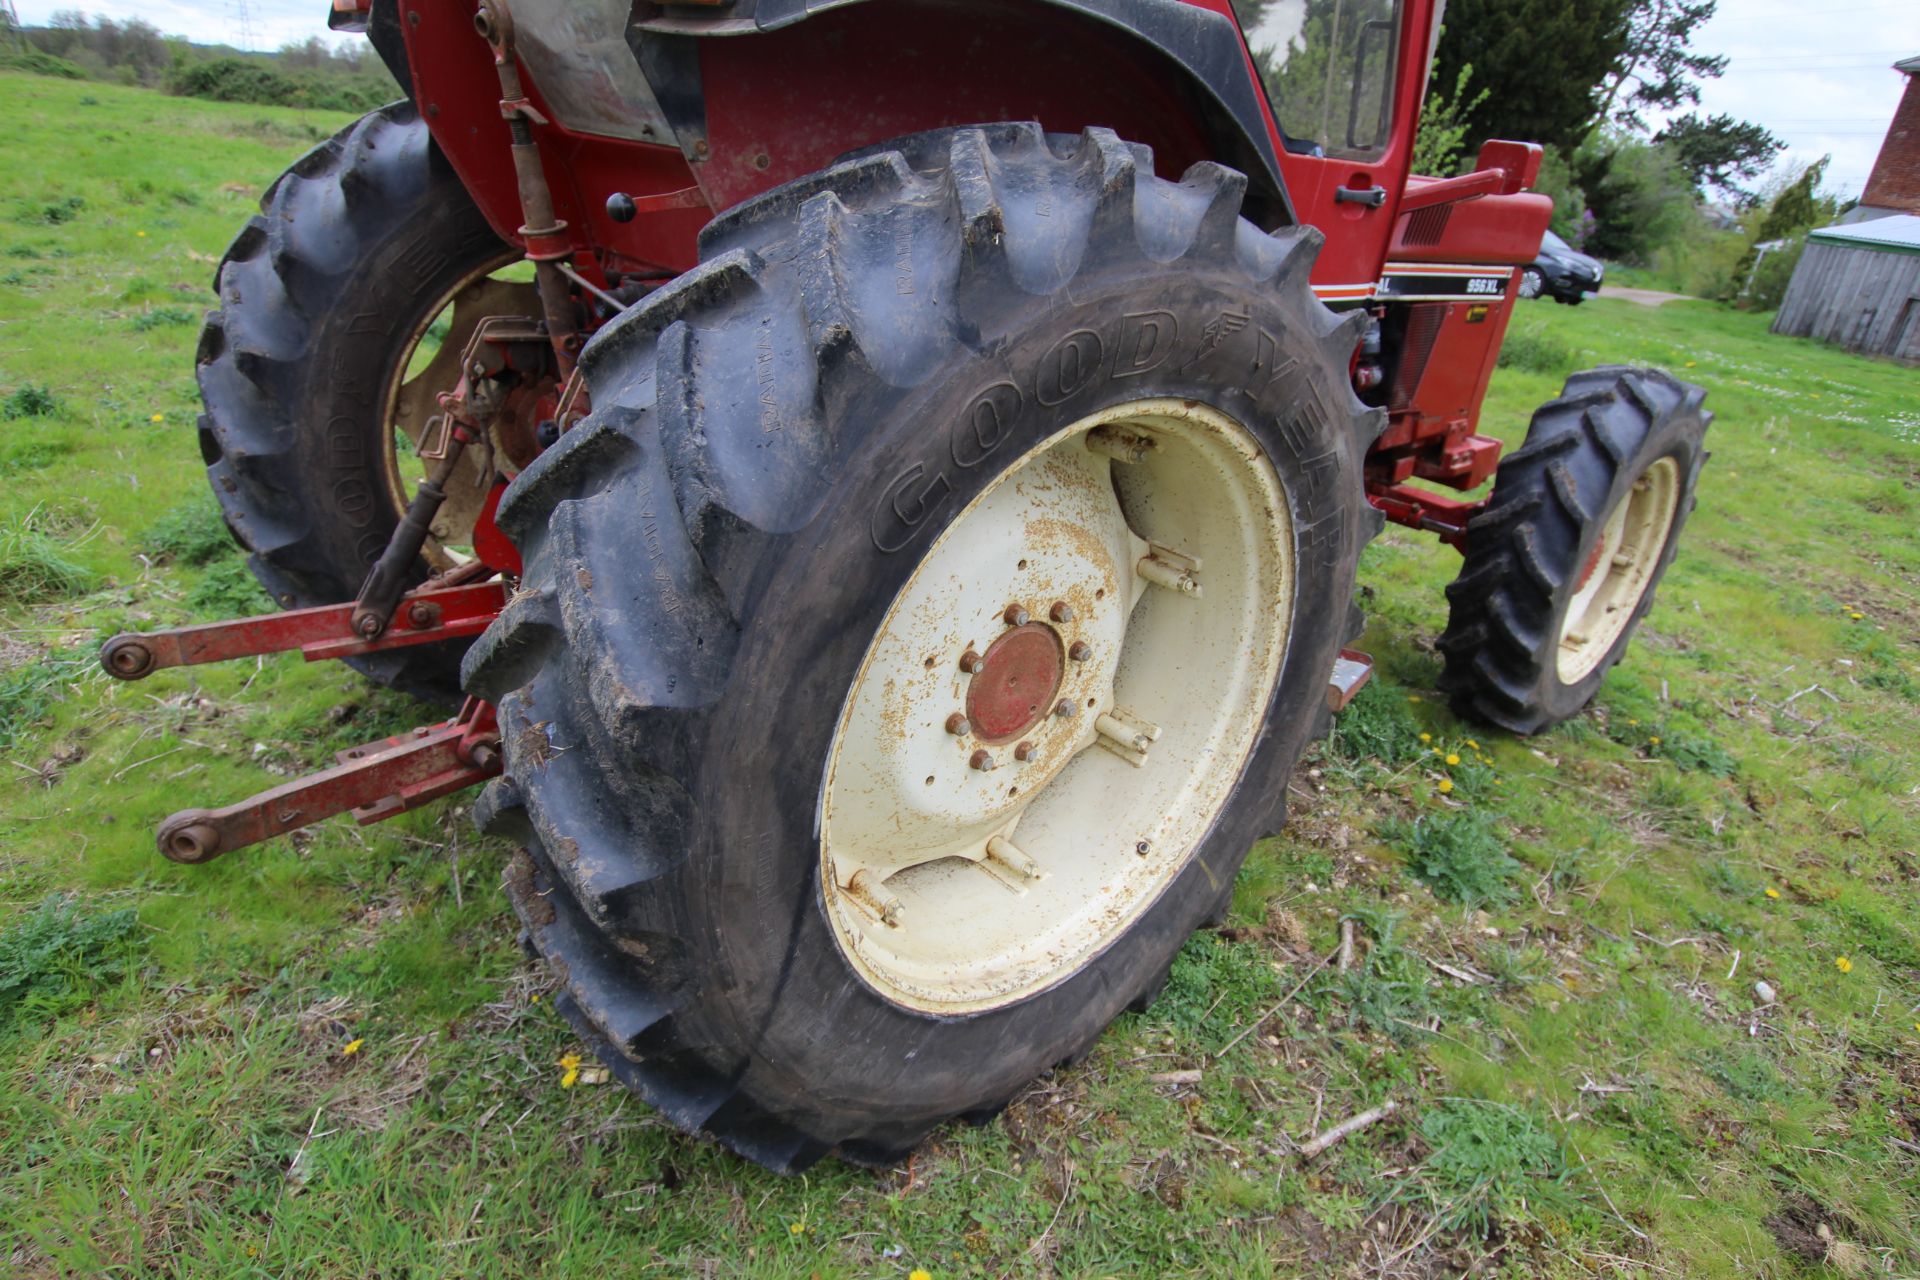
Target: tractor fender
{"x": 761, "y": 92}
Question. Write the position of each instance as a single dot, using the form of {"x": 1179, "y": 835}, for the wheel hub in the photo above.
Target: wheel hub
{"x": 1053, "y": 711}
{"x": 1014, "y": 686}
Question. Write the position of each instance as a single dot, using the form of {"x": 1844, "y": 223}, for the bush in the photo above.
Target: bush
{"x": 52, "y": 959}
{"x": 29, "y": 401}
{"x": 40, "y": 64}
{"x": 1532, "y": 348}
{"x": 193, "y": 533}
{"x": 259, "y": 81}
{"x": 1457, "y": 855}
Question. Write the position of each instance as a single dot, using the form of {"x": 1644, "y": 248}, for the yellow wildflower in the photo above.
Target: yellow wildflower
{"x": 570, "y": 1069}
{"x": 141, "y": 234}
{"x": 1412, "y": 697}
{"x": 351, "y": 1047}
{"x": 1692, "y": 363}
{"x": 1655, "y": 740}
{"x": 1630, "y": 720}
{"x": 1472, "y": 745}
{"x": 158, "y": 417}
{"x": 1856, "y": 615}
{"x": 536, "y": 997}
{"x": 1426, "y": 737}
{"x": 796, "y": 1228}
{"x": 1773, "y": 893}
{"x": 1452, "y": 758}
{"x": 1843, "y": 964}
{"x": 919, "y": 1273}
{"x": 1446, "y": 785}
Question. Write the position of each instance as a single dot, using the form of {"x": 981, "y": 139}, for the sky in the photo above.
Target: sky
{"x": 1819, "y": 75}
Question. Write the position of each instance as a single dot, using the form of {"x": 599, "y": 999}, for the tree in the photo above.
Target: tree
{"x": 1718, "y": 151}
{"x": 1659, "y": 63}
{"x": 1443, "y": 126}
{"x": 1545, "y": 61}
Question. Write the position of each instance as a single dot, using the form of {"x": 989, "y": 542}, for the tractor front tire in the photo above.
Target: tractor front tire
{"x": 322, "y": 297}
{"x": 979, "y": 479}
{"x": 1563, "y": 563}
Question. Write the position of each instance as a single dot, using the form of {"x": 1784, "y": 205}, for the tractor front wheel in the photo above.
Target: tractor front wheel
{"x": 1563, "y": 563}
{"x": 921, "y": 629}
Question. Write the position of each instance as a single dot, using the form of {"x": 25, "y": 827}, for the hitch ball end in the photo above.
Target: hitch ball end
{"x": 189, "y": 837}
{"x": 126, "y": 657}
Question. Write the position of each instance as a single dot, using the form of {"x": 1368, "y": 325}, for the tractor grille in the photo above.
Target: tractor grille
{"x": 1423, "y": 329}
{"x": 1426, "y": 226}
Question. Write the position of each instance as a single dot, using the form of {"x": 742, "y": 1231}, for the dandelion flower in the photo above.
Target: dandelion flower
{"x": 1446, "y": 785}
{"x": 536, "y": 997}
{"x": 1654, "y": 740}
{"x": 351, "y": 1047}
{"x": 919, "y": 1273}
{"x": 795, "y": 1228}
{"x": 1856, "y": 615}
{"x": 1843, "y": 964}
{"x": 158, "y": 417}
{"x": 570, "y": 1069}
{"x": 141, "y": 234}
{"x": 1472, "y": 745}
{"x": 1426, "y": 737}
{"x": 1452, "y": 758}
{"x": 1773, "y": 893}
{"x": 1692, "y": 363}
{"x": 1631, "y": 720}
{"x": 1412, "y": 697}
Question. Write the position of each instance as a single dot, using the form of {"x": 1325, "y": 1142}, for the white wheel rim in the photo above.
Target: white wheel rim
{"x": 952, "y": 887}
{"x": 1619, "y": 570}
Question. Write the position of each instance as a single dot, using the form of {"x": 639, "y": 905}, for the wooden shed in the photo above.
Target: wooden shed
{"x": 1858, "y": 285}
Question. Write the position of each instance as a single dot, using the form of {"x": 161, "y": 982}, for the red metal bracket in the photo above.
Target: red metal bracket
{"x": 374, "y": 783}
{"x": 423, "y": 617}
{"x": 1424, "y": 509}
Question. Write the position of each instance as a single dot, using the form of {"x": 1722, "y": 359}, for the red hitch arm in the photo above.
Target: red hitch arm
{"x": 374, "y": 782}
{"x": 423, "y": 616}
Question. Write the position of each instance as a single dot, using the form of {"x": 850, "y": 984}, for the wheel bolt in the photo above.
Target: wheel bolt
{"x": 971, "y": 662}
{"x": 1066, "y": 709}
{"x": 1080, "y": 651}
{"x": 1061, "y": 611}
{"x": 1015, "y": 616}
{"x": 1025, "y": 752}
{"x": 983, "y": 760}
{"x": 957, "y": 724}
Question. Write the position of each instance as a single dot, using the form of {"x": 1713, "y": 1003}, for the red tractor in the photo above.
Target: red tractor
{"x": 886, "y": 479}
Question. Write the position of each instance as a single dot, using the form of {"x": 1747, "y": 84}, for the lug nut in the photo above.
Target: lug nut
{"x": 1061, "y": 611}
{"x": 1015, "y": 616}
{"x": 1025, "y": 752}
{"x": 983, "y": 760}
{"x": 1066, "y": 709}
{"x": 957, "y": 724}
{"x": 1143, "y": 848}
{"x": 1080, "y": 651}
{"x": 971, "y": 662}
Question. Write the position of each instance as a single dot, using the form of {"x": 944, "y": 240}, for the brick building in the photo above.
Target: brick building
{"x": 1858, "y": 283}
{"x": 1894, "y": 185}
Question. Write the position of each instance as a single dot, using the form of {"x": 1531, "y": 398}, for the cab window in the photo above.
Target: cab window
{"x": 1328, "y": 67}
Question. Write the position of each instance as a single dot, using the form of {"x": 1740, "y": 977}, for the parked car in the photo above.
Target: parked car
{"x": 1561, "y": 272}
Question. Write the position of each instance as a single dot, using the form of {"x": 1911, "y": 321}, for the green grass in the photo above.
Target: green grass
{"x": 1589, "y": 1085}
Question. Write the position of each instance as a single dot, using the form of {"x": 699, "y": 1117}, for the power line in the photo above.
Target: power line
{"x": 243, "y": 20}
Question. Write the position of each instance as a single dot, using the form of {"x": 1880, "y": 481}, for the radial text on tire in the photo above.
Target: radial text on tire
{"x": 1563, "y": 563}
{"x": 981, "y": 480}
{"x": 324, "y": 296}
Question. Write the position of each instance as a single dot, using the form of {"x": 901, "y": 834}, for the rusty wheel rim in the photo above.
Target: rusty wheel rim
{"x": 1619, "y": 571}
{"x": 1056, "y": 707}
{"x": 409, "y": 402}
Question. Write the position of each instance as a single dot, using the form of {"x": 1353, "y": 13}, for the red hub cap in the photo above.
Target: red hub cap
{"x": 1014, "y": 687}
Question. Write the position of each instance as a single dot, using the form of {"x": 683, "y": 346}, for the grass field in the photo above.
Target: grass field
{"x": 327, "y": 1057}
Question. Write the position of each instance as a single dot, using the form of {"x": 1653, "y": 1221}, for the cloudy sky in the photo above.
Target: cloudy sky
{"x": 1818, "y": 75}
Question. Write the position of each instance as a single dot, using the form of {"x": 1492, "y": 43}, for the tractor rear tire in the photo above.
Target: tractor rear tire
{"x": 354, "y": 249}
{"x": 792, "y": 488}
{"x": 1562, "y": 565}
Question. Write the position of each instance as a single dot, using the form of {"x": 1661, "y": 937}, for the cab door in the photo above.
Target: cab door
{"x": 1344, "y": 79}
